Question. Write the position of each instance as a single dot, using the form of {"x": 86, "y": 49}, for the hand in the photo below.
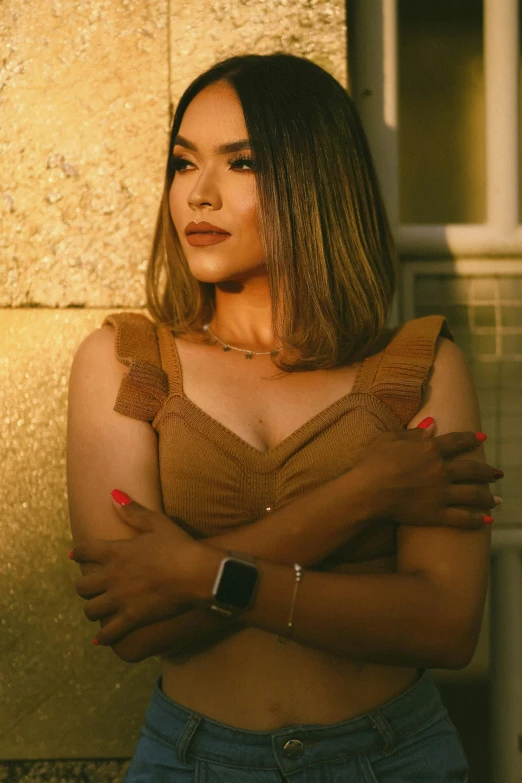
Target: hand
{"x": 416, "y": 479}
{"x": 143, "y": 579}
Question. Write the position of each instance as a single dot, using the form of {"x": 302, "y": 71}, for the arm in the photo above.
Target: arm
{"x": 391, "y": 619}
{"x": 455, "y": 561}
{"x": 304, "y": 531}
{"x": 427, "y": 614}
{"x": 106, "y": 449}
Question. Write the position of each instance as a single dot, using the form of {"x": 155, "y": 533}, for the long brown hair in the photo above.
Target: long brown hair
{"x": 327, "y": 245}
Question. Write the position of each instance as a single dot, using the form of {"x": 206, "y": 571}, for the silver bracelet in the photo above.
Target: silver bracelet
{"x": 298, "y": 574}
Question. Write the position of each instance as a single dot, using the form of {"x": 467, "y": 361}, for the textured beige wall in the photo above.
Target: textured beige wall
{"x": 84, "y": 99}
{"x": 83, "y": 140}
{"x": 60, "y": 696}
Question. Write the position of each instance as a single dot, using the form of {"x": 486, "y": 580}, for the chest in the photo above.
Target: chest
{"x": 252, "y": 399}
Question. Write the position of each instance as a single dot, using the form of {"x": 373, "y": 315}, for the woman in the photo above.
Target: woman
{"x": 274, "y": 246}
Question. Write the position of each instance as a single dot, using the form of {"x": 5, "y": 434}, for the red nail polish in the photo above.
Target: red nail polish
{"x": 425, "y": 423}
{"x": 481, "y": 436}
{"x": 71, "y": 555}
{"x": 498, "y": 473}
{"x": 487, "y": 520}
{"x": 120, "y": 497}
{"x": 95, "y": 641}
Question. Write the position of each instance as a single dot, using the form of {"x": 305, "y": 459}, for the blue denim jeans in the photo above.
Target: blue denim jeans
{"x": 410, "y": 739}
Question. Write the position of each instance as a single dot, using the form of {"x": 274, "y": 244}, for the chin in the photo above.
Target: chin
{"x": 208, "y": 275}
{"x": 222, "y": 273}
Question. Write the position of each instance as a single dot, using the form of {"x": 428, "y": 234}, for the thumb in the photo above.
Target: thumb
{"x": 130, "y": 510}
{"x": 427, "y": 426}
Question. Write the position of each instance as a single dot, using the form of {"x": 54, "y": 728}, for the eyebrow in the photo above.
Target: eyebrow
{"x": 221, "y": 149}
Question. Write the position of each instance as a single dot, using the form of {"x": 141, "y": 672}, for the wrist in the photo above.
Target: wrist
{"x": 205, "y": 565}
{"x": 367, "y": 499}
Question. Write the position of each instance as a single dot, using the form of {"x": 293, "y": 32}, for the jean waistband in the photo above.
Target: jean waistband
{"x": 193, "y": 735}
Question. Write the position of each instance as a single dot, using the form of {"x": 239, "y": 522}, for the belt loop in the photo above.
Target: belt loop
{"x": 385, "y": 730}
{"x": 188, "y": 732}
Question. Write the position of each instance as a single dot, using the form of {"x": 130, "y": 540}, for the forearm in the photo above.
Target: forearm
{"x": 309, "y": 528}
{"x": 397, "y": 619}
{"x": 303, "y": 531}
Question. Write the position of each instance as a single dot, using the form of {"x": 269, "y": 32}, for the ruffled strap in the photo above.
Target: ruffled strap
{"x": 144, "y": 389}
{"x": 397, "y": 374}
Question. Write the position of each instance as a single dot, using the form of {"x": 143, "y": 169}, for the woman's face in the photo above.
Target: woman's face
{"x": 216, "y": 186}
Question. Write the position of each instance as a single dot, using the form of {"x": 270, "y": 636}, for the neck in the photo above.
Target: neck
{"x": 224, "y": 338}
{"x": 239, "y": 346}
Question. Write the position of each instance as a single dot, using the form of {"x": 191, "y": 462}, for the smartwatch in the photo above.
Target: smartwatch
{"x": 235, "y": 584}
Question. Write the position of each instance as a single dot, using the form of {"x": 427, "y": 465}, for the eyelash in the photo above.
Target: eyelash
{"x": 178, "y": 162}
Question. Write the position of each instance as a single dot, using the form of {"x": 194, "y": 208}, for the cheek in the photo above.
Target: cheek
{"x": 248, "y": 210}
{"x": 173, "y": 196}
{"x": 174, "y": 205}
{"x": 251, "y": 220}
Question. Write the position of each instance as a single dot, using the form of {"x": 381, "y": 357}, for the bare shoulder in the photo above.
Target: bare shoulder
{"x": 105, "y": 449}
{"x": 99, "y": 348}
{"x": 94, "y": 361}
{"x": 450, "y": 390}
{"x": 448, "y": 356}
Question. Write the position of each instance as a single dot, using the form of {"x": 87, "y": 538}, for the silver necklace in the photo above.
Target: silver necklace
{"x": 248, "y": 354}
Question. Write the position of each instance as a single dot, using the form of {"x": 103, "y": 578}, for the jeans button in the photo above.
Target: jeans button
{"x": 294, "y": 749}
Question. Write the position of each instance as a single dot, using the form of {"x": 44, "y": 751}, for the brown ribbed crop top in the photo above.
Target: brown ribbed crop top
{"x": 212, "y": 480}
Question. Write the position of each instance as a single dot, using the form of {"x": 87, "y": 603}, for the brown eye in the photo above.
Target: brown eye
{"x": 242, "y": 161}
{"x": 180, "y": 164}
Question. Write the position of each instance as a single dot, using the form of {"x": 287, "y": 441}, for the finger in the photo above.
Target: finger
{"x": 463, "y": 518}
{"x": 415, "y": 433}
{"x": 470, "y": 471}
{"x": 114, "y": 630}
{"x": 424, "y": 429}
{"x": 427, "y": 425}
{"x": 452, "y": 443}
{"x": 473, "y": 495}
{"x": 89, "y": 552}
{"x": 99, "y": 607}
{"x": 134, "y": 514}
{"x": 91, "y": 585}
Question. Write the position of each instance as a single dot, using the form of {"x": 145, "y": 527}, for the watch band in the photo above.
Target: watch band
{"x": 241, "y": 556}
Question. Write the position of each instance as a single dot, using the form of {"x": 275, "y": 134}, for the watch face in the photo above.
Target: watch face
{"x": 236, "y": 584}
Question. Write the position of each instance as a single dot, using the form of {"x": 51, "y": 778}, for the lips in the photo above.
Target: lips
{"x": 204, "y": 228}
{"x": 205, "y": 238}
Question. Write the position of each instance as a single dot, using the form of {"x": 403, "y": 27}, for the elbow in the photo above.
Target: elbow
{"x": 465, "y": 654}
{"x": 455, "y": 662}
{"x": 459, "y": 651}
{"x": 458, "y": 662}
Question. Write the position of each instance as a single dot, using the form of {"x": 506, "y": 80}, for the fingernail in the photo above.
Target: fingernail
{"x": 95, "y": 641}
{"x": 71, "y": 554}
{"x": 498, "y": 473}
{"x": 425, "y": 423}
{"x": 120, "y": 497}
{"x": 481, "y": 436}
{"x": 497, "y": 499}
{"x": 487, "y": 520}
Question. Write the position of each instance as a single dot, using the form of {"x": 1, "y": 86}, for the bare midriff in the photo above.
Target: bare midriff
{"x": 249, "y": 680}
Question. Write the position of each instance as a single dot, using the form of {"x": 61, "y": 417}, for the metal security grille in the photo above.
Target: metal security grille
{"x": 478, "y": 290}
